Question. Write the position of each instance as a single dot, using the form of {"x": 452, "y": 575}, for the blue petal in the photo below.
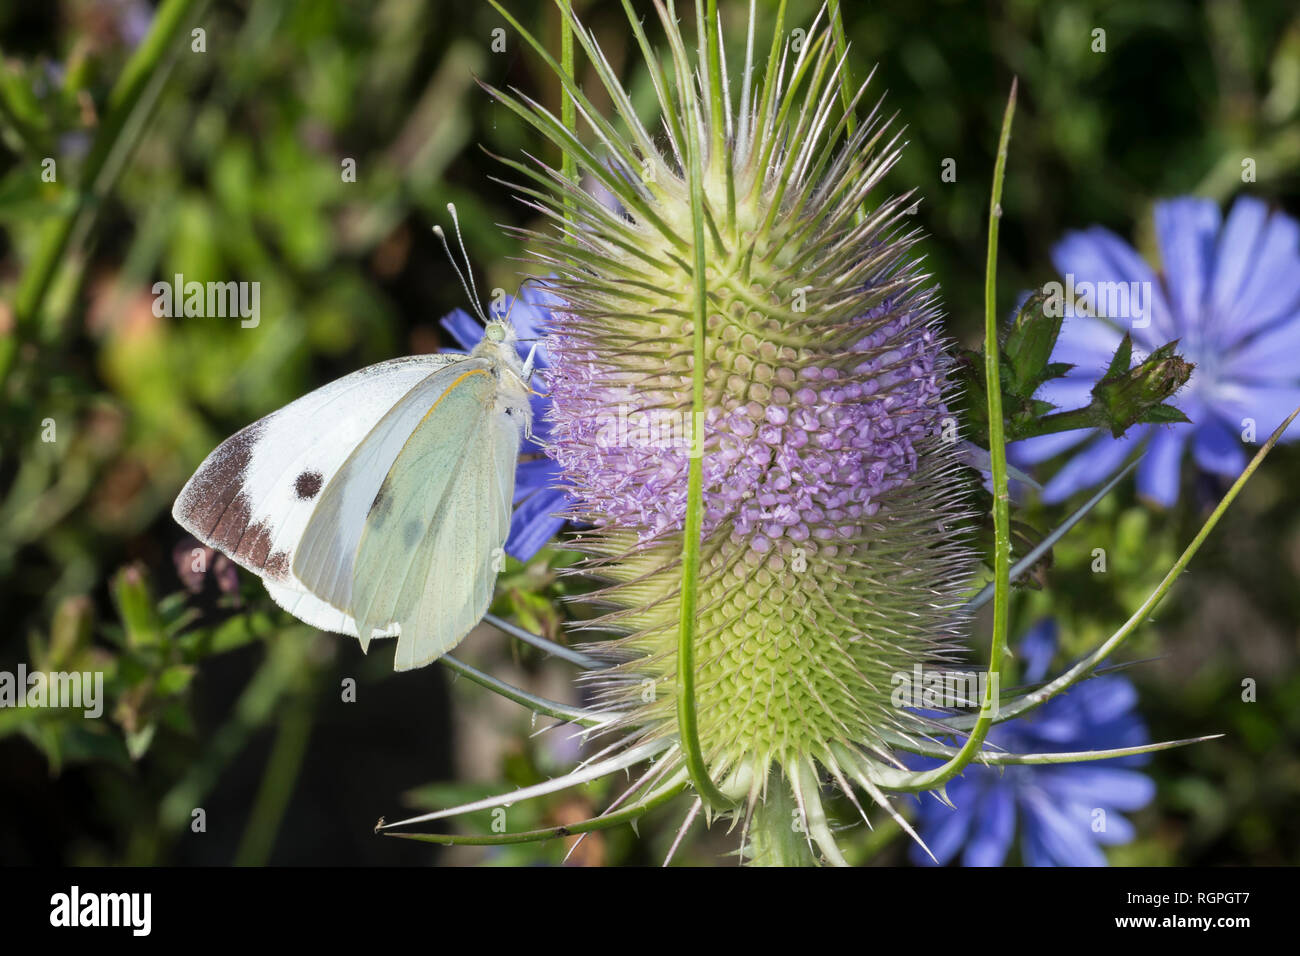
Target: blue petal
{"x": 1068, "y": 393}
{"x": 534, "y": 524}
{"x": 1094, "y": 785}
{"x": 542, "y": 297}
{"x": 1160, "y": 473}
{"x": 1272, "y": 288}
{"x": 995, "y": 829}
{"x": 1218, "y": 450}
{"x": 1266, "y": 405}
{"x": 464, "y": 328}
{"x": 1269, "y": 356}
{"x": 1036, "y": 649}
{"x": 1098, "y": 255}
{"x": 1186, "y": 230}
{"x": 538, "y": 474}
{"x": 1057, "y": 839}
{"x": 1106, "y": 698}
{"x": 1092, "y": 465}
{"x": 945, "y": 834}
{"x": 1031, "y": 451}
{"x": 1088, "y": 343}
{"x": 1235, "y": 261}
{"x": 1032, "y": 848}
{"x": 1118, "y": 831}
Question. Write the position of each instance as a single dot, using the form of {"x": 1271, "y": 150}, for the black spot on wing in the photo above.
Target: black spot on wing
{"x": 307, "y": 485}
{"x": 411, "y": 535}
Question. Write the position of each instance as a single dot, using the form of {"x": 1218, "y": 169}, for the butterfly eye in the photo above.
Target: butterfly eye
{"x": 495, "y": 332}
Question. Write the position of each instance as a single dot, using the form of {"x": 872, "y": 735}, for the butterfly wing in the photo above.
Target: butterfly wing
{"x": 429, "y": 552}
{"x": 252, "y": 498}
{"x": 324, "y": 561}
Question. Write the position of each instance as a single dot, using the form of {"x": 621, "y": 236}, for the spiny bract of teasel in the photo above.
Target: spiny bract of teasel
{"x": 832, "y": 554}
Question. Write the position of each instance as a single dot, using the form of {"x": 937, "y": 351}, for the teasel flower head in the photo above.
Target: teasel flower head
{"x": 830, "y": 545}
{"x": 748, "y": 409}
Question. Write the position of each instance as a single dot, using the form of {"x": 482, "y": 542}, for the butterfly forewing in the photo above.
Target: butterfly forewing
{"x": 254, "y": 495}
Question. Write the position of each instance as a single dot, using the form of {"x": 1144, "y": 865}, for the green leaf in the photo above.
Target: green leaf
{"x": 173, "y": 680}
{"x": 1125, "y": 396}
{"x": 137, "y": 742}
{"x": 1164, "y": 415}
{"x": 135, "y": 605}
{"x": 1122, "y": 359}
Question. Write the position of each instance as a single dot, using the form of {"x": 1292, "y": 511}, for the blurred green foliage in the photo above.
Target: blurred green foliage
{"x": 228, "y": 165}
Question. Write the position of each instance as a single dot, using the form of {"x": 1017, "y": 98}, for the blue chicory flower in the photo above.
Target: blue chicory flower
{"x": 537, "y": 499}
{"x": 1065, "y": 812}
{"x": 1230, "y": 293}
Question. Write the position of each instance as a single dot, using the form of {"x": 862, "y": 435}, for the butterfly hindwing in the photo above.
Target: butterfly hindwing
{"x": 324, "y": 560}
{"x": 427, "y": 559}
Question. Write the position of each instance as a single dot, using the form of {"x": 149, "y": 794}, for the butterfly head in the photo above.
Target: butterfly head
{"x": 499, "y": 338}
{"x": 499, "y": 332}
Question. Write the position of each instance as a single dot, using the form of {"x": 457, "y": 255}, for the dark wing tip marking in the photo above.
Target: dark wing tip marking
{"x": 217, "y": 484}
{"x": 221, "y": 514}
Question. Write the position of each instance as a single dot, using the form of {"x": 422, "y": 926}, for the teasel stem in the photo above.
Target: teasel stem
{"x": 998, "y": 461}
{"x": 540, "y": 705}
{"x": 551, "y": 648}
{"x": 1088, "y": 664}
{"x": 687, "y": 717}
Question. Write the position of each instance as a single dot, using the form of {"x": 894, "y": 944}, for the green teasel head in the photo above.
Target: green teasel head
{"x": 830, "y": 513}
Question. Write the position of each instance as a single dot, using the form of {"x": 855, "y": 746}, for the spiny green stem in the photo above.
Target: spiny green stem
{"x": 687, "y": 717}
{"x": 998, "y": 460}
{"x": 542, "y": 644}
{"x": 1084, "y": 667}
{"x": 542, "y": 705}
{"x": 998, "y": 759}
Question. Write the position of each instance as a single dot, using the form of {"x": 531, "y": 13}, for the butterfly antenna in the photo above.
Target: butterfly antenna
{"x": 464, "y": 284}
{"x": 460, "y": 241}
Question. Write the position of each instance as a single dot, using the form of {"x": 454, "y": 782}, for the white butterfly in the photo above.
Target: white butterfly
{"x": 378, "y": 505}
